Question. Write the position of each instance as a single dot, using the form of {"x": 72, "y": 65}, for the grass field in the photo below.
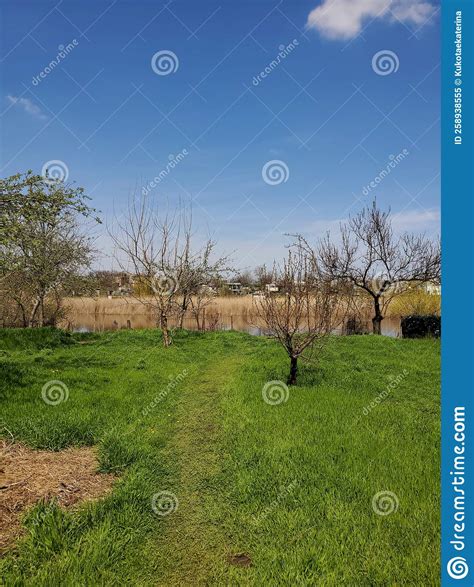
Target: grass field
{"x": 263, "y": 494}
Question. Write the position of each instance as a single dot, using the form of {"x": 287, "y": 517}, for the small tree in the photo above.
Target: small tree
{"x": 205, "y": 269}
{"x": 150, "y": 246}
{"x": 203, "y": 298}
{"x": 196, "y": 270}
{"x": 42, "y": 245}
{"x": 168, "y": 274}
{"x": 306, "y": 311}
{"x": 377, "y": 262}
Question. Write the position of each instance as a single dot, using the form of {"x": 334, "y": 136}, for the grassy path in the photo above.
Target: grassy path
{"x": 193, "y": 542}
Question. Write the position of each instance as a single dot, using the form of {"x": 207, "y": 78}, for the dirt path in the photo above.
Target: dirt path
{"x": 194, "y": 541}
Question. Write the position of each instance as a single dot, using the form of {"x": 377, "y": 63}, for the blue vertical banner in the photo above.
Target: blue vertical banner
{"x": 457, "y": 410}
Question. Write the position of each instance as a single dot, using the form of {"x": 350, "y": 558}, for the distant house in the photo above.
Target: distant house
{"x": 432, "y": 288}
{"x": 234, "y": 287}
{"x": 272, "y": 288}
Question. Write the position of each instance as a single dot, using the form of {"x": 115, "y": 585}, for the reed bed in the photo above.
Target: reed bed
{"x": 235, "y": 305}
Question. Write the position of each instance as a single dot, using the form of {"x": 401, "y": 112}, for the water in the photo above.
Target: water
{"x": 81, "y": 322}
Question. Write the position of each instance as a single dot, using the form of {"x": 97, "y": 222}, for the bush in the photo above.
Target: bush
{"x": 416, "y": 303}
{"x": 16, "y": 339}
{"x": 416, "y": 326}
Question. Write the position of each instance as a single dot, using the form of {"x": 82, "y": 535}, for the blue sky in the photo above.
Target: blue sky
{"x": 325, "y": 112}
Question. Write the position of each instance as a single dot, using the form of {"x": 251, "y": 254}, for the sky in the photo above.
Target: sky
{"x": 112, "y": 94}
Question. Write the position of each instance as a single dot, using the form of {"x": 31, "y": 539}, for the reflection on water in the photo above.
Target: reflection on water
{"x": 99, "y": 322}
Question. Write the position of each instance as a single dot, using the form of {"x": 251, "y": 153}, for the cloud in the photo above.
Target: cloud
{"x": 416, "y": 220}
{"x": 28, "y": 106}
{"x": 416, "y": 12}
{"x": 344, "y": 19}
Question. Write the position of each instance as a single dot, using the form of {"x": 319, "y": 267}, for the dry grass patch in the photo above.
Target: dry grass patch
{"x": 28, "y": 476}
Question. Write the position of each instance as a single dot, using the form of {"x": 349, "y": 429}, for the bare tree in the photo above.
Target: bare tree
{"x": 245, "y": 278}
{"x": 151, "y": 246}
{"x": 263, "y": 277}
{"x": 377, "y": 262}
{"x": 306, "y": 311}
{"x": 157, "y": 248}
{"x": 196, "y": 270}
{"x": 199, "y": 302}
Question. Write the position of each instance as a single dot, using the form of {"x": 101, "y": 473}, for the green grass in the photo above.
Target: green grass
{"x": 289, "y": 485}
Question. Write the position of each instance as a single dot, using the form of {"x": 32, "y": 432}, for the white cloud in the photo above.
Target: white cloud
{"x": 28, "y": 106}
{"x": 416, "y": 12}
{"x": 420, "y": 220}
{"x": 415, "y": 220}
{"x": 344, "y": 19}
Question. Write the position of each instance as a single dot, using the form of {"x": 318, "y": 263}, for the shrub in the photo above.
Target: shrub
{"x": 416, "y": 326}
{"x": 33, "y": 338}
{"x": 416, "y": 302}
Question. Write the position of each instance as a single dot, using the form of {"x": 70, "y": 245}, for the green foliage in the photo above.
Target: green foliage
{"x": 30, "y": 198}
{"x": 21, "y": 339}
{"x": 43, "y": 247}
{"x": 416, "y": 301}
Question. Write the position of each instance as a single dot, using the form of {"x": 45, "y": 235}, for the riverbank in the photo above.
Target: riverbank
{"x": 86, "y": 314}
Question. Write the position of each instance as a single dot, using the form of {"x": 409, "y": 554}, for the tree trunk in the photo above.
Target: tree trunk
{"x": 184, "y": 307}
{"x": 22, "y": 311}
{"x": 164, "y": 329}
{"x": 31, "y": 321}
{"x": 377, "y": 319}
{"x": 293, "y": 370}
{"x": 41, "y": 314}
{"x": 23, "y": 316}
